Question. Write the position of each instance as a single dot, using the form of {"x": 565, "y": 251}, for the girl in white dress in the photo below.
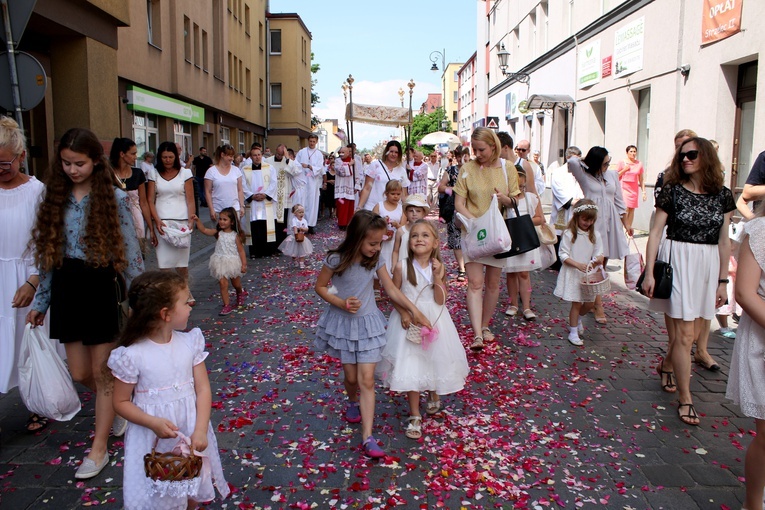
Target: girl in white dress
{"x": 390, "y": 209}
{"x": 163, "y": 390}
{"x": 579, "y": 245}
{"x": 228, "y": 262}
{"x": 438, "y": 365}
{"x": 415, "y": 208}
{"x": 298, "y": 250}
{"x": 518, "y": 267}
{"x": 747, "y": 369}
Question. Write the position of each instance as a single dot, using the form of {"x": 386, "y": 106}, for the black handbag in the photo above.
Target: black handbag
{"x": 446, "y": 207}
{"x": 522, "y": 232}
{"x": 123, "y": 307}
{"x": 662, "y": 272}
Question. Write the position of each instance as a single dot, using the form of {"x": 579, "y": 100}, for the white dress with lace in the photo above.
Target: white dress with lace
{"x": 164, "y": 387}
{"x": 746, "y": 379}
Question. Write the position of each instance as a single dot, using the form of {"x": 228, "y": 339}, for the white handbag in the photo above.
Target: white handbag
{"x": 633, "y": 266}
{"x": 486, "y": 235}
{"x": 45, "y": 385}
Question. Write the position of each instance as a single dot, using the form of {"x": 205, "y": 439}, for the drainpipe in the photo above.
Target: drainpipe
{"x": 572, "y": 124}
{"x": 268, "y": 72}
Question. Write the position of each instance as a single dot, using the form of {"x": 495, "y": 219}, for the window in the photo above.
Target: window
{"x": 262, "y": 92}
{"x": 154, "y": 17}
{"x": 247, "y": 19}
{"x": 644, "y": 123}
{"x": 276, "y": 42}
{"x": 276, "y": 95}
{"x": 182, "y": 131}
{"x": 260, "y": 35}
{"x": 187, "y": 39}
{"x": 197, "y": 52}
{"x": 454, "y": 116}
{"x": 241, "y": 141}
{"x": 456, "y": 96}
{"x": 247, "y": 84}
{"x": 241, "y": 77}
{"x": 230, "y": 71}
{"x": 204, "y": 51}
{"x": 145, "y": 132}
{"x": 456, "y": 76}
{"x": 225, "y": 135}
{"x": 217, "y": 35}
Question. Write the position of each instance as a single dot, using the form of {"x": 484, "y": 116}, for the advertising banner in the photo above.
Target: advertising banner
{"x": 628, "y": 48}
{"x": 720, "y": 19}
{"x": 588, "y": 64}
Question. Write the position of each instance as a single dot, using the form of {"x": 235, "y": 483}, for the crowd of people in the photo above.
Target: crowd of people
{"x": 83, "y": 235}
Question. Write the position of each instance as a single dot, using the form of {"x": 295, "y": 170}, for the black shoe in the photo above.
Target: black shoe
{"x": 311, "y": 230}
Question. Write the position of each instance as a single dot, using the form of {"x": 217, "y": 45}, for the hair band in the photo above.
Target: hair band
{"x": 585, "y": 207}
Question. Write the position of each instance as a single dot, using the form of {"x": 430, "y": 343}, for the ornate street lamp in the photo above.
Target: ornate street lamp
{"x": 401, "y": 96}
{"x": 502, "y": 56}
{"x": 350, "y": 81}
{"x": 434, "y": 58}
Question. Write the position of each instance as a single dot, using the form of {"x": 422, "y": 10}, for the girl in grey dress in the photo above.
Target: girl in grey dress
{"x": 352, "y": 328}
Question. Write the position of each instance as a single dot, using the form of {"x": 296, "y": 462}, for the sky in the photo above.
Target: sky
{"x": 383, "y": 45}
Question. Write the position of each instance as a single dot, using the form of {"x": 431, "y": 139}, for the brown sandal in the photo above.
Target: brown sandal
{"x": 669, "y": 386}
{"x": 477, "y": 345}
{"x": 691, "y": 415}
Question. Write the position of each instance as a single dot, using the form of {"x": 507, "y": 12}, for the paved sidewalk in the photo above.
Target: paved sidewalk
{"x": 540, "y": 423}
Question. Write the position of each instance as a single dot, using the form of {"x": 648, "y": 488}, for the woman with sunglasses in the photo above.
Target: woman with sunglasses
{"x": 601, "y": 185}
{"x": 696, "y": 208}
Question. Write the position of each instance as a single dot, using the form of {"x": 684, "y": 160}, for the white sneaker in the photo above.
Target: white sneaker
{"x": 119, "y": 426}
{"x": 574, "y": 339}
{"x": 89, "y": 468}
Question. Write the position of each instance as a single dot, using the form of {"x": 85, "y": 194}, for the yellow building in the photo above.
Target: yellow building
{"x": 450, "y": 86}
{"x": 193, "y": 72}
{"x": 289, "y": 85}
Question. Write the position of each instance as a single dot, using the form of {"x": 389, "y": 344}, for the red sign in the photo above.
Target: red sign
{"x": 720, "y": 19}
{"x": 605, "y": 67}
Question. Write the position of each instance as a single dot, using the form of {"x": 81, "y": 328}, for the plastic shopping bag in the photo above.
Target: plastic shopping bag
{"x": 44, "y": 381}
{"x": 487, "y": 235}
{"x": 633, "y": 266}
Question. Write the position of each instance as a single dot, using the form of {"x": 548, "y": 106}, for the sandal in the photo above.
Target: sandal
{"x": 477, "y": 345}
{"x": 690, "y": 416}
{"x": 414, "y": 429}
{"x": 36, "y": 423}
{"x": 461, "y": 276}
{"x": 669, "y": 386}
{"x": 511, "y": 311}
{"x": 600, "y": 315}
{"x": 433, "y": 406}
{"x": 487, "y": 334}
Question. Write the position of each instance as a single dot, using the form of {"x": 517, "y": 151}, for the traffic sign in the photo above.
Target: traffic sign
{"x": 19, "y": 11}
{"x": 32, "y": 81}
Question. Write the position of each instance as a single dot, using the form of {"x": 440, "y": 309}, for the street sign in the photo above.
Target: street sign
{"x": 19, "y": 11}
{"x": 32, "y": 81}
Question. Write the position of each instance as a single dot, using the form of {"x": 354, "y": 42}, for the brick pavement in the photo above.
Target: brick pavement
{"x": 540, "y": 423}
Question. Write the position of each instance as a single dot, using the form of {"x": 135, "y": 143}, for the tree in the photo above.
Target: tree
{"x": 425, "y": 123}
{"x": 315, "y": 121}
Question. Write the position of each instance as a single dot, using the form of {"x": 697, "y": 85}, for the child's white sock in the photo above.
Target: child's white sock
{"x": 573, "y": 336}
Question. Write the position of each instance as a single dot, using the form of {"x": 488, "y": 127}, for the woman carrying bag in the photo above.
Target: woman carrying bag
{"x": 478, "y": 181}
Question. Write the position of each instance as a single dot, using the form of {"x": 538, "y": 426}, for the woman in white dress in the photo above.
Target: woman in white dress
{"x": 171, "y": 201}
{"x": 19, "y": 196}
{"x": 390, "y": 167}
{"x": 223, "y": 184}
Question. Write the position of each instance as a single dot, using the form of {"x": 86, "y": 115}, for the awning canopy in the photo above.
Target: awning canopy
{"x": 381, "y": 115}
{"x": 549, "y": 101}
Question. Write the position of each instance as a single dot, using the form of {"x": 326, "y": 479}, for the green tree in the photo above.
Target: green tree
{"x": 425, "y": 123}
{"x": 315, "y": 121}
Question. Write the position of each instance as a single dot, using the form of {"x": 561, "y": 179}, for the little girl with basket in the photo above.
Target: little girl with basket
{"x": 352, "y": 328}
{"x": 581, "y": 250}
{"x": 228, "y": 262}
{"x": 163, "y": 390}
{"x": 297, "y": 245}
{"x": 437, "y": 364}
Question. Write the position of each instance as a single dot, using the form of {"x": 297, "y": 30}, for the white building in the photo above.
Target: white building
{"x": 615, "y": 73}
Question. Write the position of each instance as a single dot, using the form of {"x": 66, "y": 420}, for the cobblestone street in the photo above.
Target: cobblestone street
{"x": 540, "y": 423}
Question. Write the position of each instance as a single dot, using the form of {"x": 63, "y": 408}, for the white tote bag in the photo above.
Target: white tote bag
{"x": 486, "y": 235}
{"x": 633, "y": 265}
{"x": 44, "y": 381}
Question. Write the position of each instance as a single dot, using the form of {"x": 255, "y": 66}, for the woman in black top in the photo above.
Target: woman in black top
{"x": 132, "y": 180}
{"x": 696, "y": 208}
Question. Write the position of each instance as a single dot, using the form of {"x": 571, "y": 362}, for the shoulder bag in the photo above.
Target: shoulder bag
{"x": 662, "y": 271}
{"x": 522, "y": 232}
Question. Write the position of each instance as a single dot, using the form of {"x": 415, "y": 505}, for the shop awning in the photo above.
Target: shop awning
{"x": 549, "y": 101}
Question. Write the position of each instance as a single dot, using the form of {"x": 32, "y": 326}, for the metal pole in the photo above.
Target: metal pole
{"x": 11, "y": 51}
{"x": 350, "y": 81}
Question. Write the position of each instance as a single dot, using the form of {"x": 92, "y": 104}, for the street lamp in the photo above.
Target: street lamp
{"x": 350, "y": 81}
{"x": 445, "y": 125}
{"x": 434, "y": 58}
{"x": 401, "y": 96}
{"x": 502, "y": 56}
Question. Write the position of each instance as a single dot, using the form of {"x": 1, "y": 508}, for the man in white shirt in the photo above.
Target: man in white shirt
{"x": 287, "y": 175}
{"x": 506, "y": 153}
{"x": 262, "y": 215}
{"x": 311, "y": 160}
{"x": 522, "y": 150}
{"x": 565, "y": 193}
{"x": 434, "y": 175}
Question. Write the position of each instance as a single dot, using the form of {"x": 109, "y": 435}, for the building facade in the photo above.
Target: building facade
{"x": 450, "y": 85}
{"x": 621, "y": 72}
{"x": 467, "y": 107}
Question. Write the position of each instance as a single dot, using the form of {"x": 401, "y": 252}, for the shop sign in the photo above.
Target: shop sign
{"x": 143, "y": 100}
{"x": 479, "y": 123}
{"x": 588, "y": 64}
{"x": 721, "y": 19}
{"x": 628, "y": 48}
{"x": 605, "y": 67}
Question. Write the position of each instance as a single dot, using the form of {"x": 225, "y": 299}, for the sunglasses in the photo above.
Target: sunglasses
{"x": 521, "y": 150}
{"x": 691, "y": 155}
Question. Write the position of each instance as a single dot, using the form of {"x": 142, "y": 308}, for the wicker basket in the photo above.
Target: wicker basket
{"x": 171, "y": 466}
{"x": 594, "y": 283}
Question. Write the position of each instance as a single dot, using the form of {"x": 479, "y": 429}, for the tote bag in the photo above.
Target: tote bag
{"x": 486, "y": 235}
{"x": 633, "y": 266}
{"x": 522, "y": 232}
